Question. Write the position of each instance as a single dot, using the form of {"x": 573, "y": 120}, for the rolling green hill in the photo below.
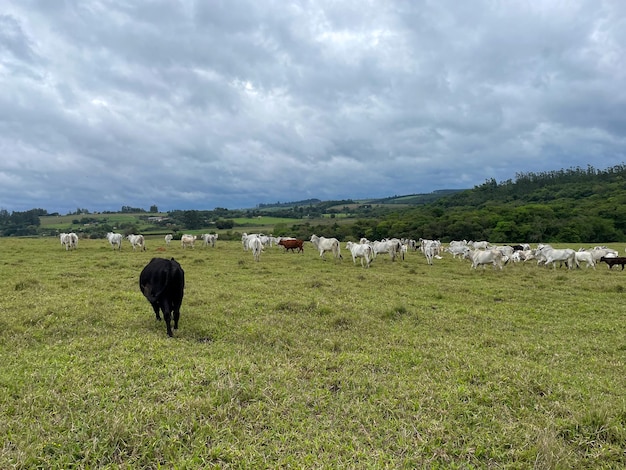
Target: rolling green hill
{"x": 577, "y": 205}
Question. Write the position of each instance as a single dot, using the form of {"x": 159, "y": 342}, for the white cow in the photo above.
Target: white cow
{"x": 188, "y": 240}
{"x": 430, "y": 249}
{"x": 209, "y": 239}
{"x": 584, "y": 257}
{"x": 484, "y": 257}
{"x": 553, "y": 255}
{"x": 393, "y": 247}
{"x": 256, "y": 245}
{"x": 456, "y": 248}
{"x": 69, "y": 240}
{"x": 168, "y": 238}
{"x": 324, "y": 244}
{"x": 137, "y": 241}
{"x": 506, "y": 250}
{"x": 481, "y": 245}
{"x": 115, "y": 239}
{"x": 361, "y": 250}
{"x": 599, "y": 252}
{"x": 435, "y": 244}
{"x": 247, "y": 238}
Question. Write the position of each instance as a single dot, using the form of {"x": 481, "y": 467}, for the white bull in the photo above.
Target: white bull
{"x": 115, "y": 239}
{"x": 168, "y": 238}
{"x": 431, "y": 249}
{"x": 363, "y": 251}
{"x": 584, "y": 257}
{"x": 481, "y": 245}
{"x": 69, "y": 240}
{"x": 324, "y": 244}
{"x": 256, "y": 245}
{"x": 209, "y": 239}
{"x": 484, "y": 257}
{"x": 553, "y": 255}
{"x": 393, "y": 247}
{"x": 599, "y": 252}
{"x": 188, "y": 240}
{"x": 247, "y": 238}
{"x": 457, "y": 249}
{"x": 137, "y": 241}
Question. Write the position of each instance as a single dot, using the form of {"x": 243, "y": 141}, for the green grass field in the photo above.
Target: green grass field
{"x": 296, "y": 362}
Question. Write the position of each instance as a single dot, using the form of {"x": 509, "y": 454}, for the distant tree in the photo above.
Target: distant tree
{"x": 192, "y": 220}
{"x": 154, "y": 209}
{"x": 128, "y": 209}
{"x": 225, "y": 224}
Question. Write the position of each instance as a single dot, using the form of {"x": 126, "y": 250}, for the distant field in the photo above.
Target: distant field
{"x": 264, "y": 221}
{"x": 64, "y": 221}
{"x": 297, "y": 362}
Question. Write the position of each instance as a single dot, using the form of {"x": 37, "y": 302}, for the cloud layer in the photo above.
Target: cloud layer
{"x": 195, "y": 105}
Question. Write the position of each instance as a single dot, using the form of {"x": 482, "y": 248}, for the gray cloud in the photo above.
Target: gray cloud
{"x": 204, "y": 104}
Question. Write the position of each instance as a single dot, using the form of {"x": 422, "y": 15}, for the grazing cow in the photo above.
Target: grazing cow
{"x": 393, "y": 247}
{"x": 162, "y": 282}
{"x": 115, "y": 239}
{"x": 209, "y": 239}
{"x": 613, "y": 260}
{"x": 137, "y": 241}
{"x": 361, "y": 250}
{"x": 69, "y": 240}
{"x": 484, "y": 257}
{"x": 324, "y": 244}
{"x": 456, "y": 248}
{"x": 294, "y": 244}
{"x": 188, "y": 240}
{"x": 256, "y": 245}
{"x": 168, "y": 238}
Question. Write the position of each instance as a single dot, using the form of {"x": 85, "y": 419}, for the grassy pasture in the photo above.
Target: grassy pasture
{"x": 263, "y": 221}
{"x": 303, "y": 363}
{"x": 64, "y": 222}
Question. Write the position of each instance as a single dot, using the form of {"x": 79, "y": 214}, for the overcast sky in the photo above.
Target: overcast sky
{"x": 202, "y": 104}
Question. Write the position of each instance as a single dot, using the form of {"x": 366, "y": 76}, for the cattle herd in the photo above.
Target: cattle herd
{"x": 162, "y": 281}
{"x": 479, "y": 253}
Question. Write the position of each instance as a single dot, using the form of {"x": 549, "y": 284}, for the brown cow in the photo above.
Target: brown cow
{"x": 292, "y": 244}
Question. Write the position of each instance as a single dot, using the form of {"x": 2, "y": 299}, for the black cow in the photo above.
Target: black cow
{"x": 613, "y": 261}
{"x": 162, "y": 282}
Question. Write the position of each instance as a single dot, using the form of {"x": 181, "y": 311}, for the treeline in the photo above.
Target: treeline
{"x": 575, "y": 205}
{"x": 304, "y": 202}
{"x": 20, "y": 223}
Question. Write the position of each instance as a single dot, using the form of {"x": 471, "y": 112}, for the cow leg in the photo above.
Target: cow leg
{"x": 167, "y": 316}
{"x": 155, "y": 307}
{"x": 176, "y": 317}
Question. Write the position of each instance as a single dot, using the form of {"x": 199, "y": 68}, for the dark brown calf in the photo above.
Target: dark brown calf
{"x": 613, "y": 261}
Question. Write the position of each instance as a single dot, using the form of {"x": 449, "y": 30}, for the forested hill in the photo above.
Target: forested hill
{"x": 573, "y": 205}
